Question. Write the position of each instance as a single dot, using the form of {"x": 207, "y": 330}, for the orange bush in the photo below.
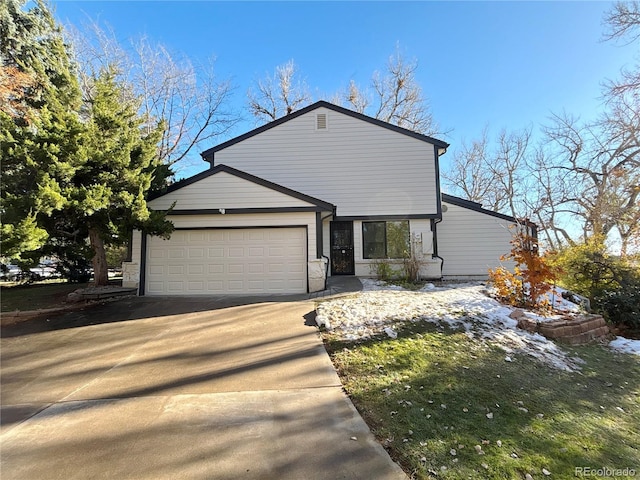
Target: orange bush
{"x": 531, "y": 278}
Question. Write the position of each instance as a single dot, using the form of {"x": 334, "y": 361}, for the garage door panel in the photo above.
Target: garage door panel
{"x": 276, "y": 252}
{"x": 155, "y": 287}
{"x": 277, "y": 235}
{"x": 197, "y": 237}
{"x": 256, "y": 268}
{"x": 174, "y": 286}
{"x": 256, "y": 285}
{"x": 156, "y": 269}
{"x": 236, "y": 261}
{"x": 173, "y": 270}
{"x": 175, "y": 253}
{"x": 294, "y": 252}
{"x": 196, "y": 286}
{"x": 216, "y": 268}
{"x": 236, "y": 235}
{"x": 276, "y": 268}
{"x": 256, "y": 235}
{"x": 236, "y": 268}
{"x": 296, "y": 268}
{"x": 195, "y": 269}
{"x": 296, "y": 284}
{"x": 157, "y": 253}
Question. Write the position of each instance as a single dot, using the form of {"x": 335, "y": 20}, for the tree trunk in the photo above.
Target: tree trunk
{"x": 100, "y": 269}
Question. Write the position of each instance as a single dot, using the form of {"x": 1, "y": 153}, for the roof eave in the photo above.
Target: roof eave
{"x": 326, "y": 206}
{"x": 208, "y": 154}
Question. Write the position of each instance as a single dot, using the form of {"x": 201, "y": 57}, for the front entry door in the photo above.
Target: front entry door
{"x": 342, "y": 261}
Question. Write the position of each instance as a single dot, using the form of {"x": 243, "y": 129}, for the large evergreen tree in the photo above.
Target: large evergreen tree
{"x": 110, "y": 188}
{"x": 74, "y": 175}
{"x": 41, "y": 134}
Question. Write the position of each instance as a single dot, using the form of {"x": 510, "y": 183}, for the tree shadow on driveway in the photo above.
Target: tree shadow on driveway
{"x": 136, "y": 308}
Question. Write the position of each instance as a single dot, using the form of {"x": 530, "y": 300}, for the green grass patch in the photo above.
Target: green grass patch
{"x": 35, "y": 296}
{"x": 426, "y": 396}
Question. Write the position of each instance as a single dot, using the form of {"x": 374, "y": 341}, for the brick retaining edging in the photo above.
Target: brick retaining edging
{"x": 578, "y": 330}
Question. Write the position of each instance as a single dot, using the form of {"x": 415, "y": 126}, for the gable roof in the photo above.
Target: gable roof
{"x": 208, "y": 154}
{"x": 321, "y": 204}
{"x": 461, "y": 202}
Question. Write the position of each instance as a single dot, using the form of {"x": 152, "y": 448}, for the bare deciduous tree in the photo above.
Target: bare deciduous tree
{"x": 356, "y": 98}
{"x": 468, "y": 174}
{"x": 393, "y": 96}
{"x": 622, "y": 20}
{"x": 399, "y": 99}
{"x": 494, "y": 177}
{"x": 540, "y": 201}
{"x": 278, "y": 95}
{"x": 623, "y": 23}
{"x": 188, "y": 98}
{"x": 584, "y": 180}
{"x": 597, "y": 166}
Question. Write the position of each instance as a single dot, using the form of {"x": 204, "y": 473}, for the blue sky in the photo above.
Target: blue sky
{"x": 495, "y": 64}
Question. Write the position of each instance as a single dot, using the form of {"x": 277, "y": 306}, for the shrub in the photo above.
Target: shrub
{"x": 412, "y": 261}
{"x": 612, "y": 284}
{"x": 585, "y": 268}
{"x": 406, "y": 256}
{"x": 531, "y": 277}
{"x": 622, "y": 305}
{"x": 383, "y": 270}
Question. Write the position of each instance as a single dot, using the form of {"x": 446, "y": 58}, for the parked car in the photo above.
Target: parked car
{"x": 43, "y": 271}
{"x": 10, "y": 273}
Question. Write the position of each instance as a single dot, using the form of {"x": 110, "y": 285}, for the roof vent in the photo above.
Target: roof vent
{"x": 321, "y": 121}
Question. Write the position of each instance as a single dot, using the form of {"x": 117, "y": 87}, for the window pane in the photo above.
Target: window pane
{"x": 398, "y": 241}
{"x": 373, "y": 239}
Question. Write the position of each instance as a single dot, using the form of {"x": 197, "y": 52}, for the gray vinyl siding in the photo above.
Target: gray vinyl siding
{"x": 361, "y": 168}
{"x": 223, "y": 190}
{"x": 472, "y": 242}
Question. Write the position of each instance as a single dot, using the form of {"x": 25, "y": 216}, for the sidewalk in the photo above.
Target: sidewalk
{"x": 338, "y": 285}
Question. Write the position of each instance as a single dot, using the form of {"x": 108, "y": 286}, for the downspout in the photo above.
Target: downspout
{"x": 437, "y": 152}
{"x": 434, "y": 229}
{"x": 143, "y": 264}
{"x": 326, "y": 267}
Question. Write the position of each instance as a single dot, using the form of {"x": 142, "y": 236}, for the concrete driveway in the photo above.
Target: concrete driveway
{"x": 174, "y": 388}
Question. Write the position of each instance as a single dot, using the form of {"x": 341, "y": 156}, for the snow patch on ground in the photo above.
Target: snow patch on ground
{"x": 466, "y": 306}
{"x": 626, "y": 345}
{"x": 370, "y": 284}
{"x": 559, "y": 303}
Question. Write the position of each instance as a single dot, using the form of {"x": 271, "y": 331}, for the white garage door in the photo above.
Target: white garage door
{"x": 229, "y": 261}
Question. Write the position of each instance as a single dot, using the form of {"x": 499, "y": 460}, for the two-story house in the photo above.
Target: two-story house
{"x": 323, "y": 191}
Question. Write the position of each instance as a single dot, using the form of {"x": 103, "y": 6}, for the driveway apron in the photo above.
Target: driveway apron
{"x": 179, "y": 388}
